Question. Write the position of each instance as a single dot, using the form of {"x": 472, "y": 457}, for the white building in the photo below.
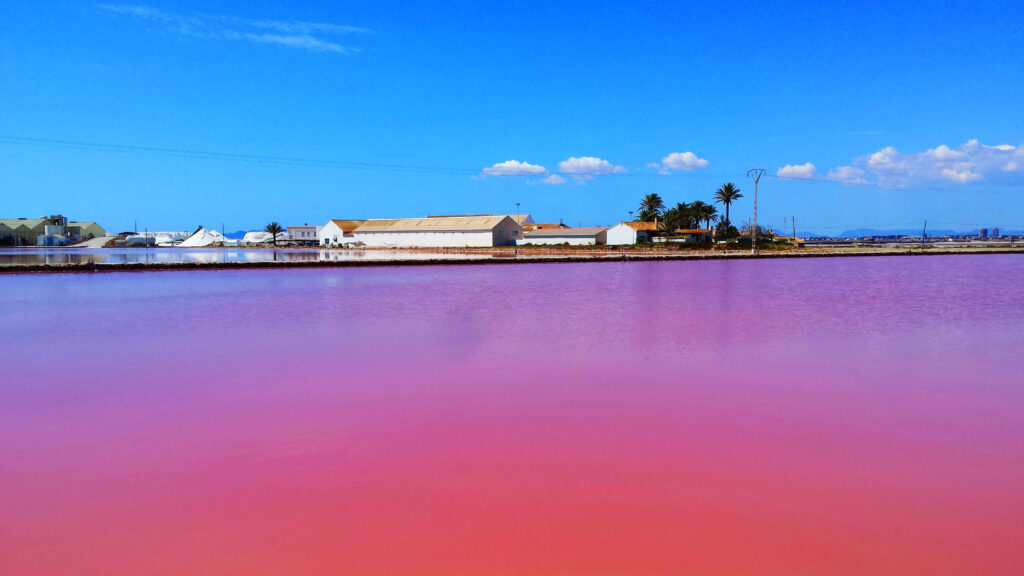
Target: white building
{"x": 570, "y": 236}
{"x": 625, "y": 233}
{"x": 304, "y": 233}
{"x": 440, "y": 231}
{"x": 338, "y": 232}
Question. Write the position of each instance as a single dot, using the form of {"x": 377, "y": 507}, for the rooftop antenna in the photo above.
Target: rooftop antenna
{"x": 756, "y": 174}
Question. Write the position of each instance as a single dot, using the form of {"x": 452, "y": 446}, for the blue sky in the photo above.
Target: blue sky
{"x": 300, "y": 112}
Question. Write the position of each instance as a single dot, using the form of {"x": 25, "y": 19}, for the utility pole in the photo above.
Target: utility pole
{"x": 924, "y": 233}
{"x": 516, "y": 250}
{"x": 793, "y": 218}
{"x": 756, "y": 174}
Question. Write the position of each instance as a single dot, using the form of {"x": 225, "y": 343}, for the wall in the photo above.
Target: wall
{"x": 427, "y": 239}
{"x": 621, "y": 234}
{"x": 570, "y": 240}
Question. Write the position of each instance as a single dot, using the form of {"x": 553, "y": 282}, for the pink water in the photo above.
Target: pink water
{"x": 846, "y": 416}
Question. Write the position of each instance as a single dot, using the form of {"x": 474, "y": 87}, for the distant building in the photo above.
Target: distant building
{"x": 53, "y": 230}
{"x": 440, "y": 231}
{"x": 81, "y": 231}
{"x": 627, "y": 233}
{"x": 995, "y": 233}
{"x": 570, "y": 236}
{"x": 23, "y": 231}
{"x": 983, "y": 233}
{"x": 304, "y": 233}
{"x": 690, "y": 235}
{"x": 338, "y": 232}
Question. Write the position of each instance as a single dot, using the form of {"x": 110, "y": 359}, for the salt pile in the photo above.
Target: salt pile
{"x": 260, "y": 237}
{"x": 203, "y": 237}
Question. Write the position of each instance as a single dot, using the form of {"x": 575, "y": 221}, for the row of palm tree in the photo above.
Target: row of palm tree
{"x": 688, "y": 215}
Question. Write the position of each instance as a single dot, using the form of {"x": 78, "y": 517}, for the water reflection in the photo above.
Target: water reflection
{"x": 64, "y": 256}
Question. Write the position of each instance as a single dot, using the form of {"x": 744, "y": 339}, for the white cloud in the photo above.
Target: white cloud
{"x": 683, "y": 161}
{"x": 971, "y": 162}
{"x": 553, "y": 179}
{"x": 848, "y": 175}
{"x": 303, "y": 35}
{"x": 797, "y": 171}
{"x": 514, "y": 168}
{"x": 587, "y": 166}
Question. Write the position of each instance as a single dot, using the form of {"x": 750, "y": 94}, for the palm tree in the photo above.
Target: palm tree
{"x": 645, "y": 215}
{"x": 704, "y": 212}
{"x": 684, "y": 213}
{"x": 651, "y": 207}
{"x": 727, "y": 194}
{"x": 669, "y": 222}
{"x": 274, "y": 229}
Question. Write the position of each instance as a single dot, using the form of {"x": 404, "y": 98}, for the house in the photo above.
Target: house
{"x": 626, "y": 233}
{"x": 337, "y": 232}
{"x": 689, "y": 236}
{"x": 440, "y": 231}
{"x": 570, "y": 236}
{"x": 304, "y": 234}
{"x": 528, "y": 226}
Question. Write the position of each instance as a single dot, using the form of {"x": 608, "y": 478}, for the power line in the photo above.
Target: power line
{"x": 208, "y": 155}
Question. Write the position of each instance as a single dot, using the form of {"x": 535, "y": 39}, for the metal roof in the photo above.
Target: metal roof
{"x": 518, "y": 218}
{"x": 27, "y": 222}
{"x": 347, "y": 226}
{"x": 435, "y": 224}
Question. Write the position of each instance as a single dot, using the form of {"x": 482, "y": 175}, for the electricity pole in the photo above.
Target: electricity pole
{"x": 794, "y": 228}
{"x": 756, "y": 174}
{"x": 516, "y": 249}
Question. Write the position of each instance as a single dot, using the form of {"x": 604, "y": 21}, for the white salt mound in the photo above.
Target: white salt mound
{"x": 203, "y": 237}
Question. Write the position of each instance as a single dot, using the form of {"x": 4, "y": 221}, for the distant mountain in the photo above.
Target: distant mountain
{"x": 861, "y": 232}
{"x": 864, "y": 232}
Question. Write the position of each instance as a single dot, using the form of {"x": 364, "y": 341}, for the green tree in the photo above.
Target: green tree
{"x": 684, "y": 215}
{"x": 651, "y": 207}
{"x": 703, "y": 212}
{"x": 726, "y": 195}
{"x": 670, "y": 221}
{"x": 274, "y": 229}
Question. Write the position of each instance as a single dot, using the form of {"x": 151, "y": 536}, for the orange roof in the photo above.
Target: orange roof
{"x": 641, "y": 225}
{"x": 693, "y": 231}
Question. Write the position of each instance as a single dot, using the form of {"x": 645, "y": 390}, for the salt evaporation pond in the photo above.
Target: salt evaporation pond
{"x": 825, "y": 416}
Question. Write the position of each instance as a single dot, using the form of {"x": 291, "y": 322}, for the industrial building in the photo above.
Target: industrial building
{"x": 337, "y": 232}
{"x": 53, "y": 230}
{"x": 440, "y": 231}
